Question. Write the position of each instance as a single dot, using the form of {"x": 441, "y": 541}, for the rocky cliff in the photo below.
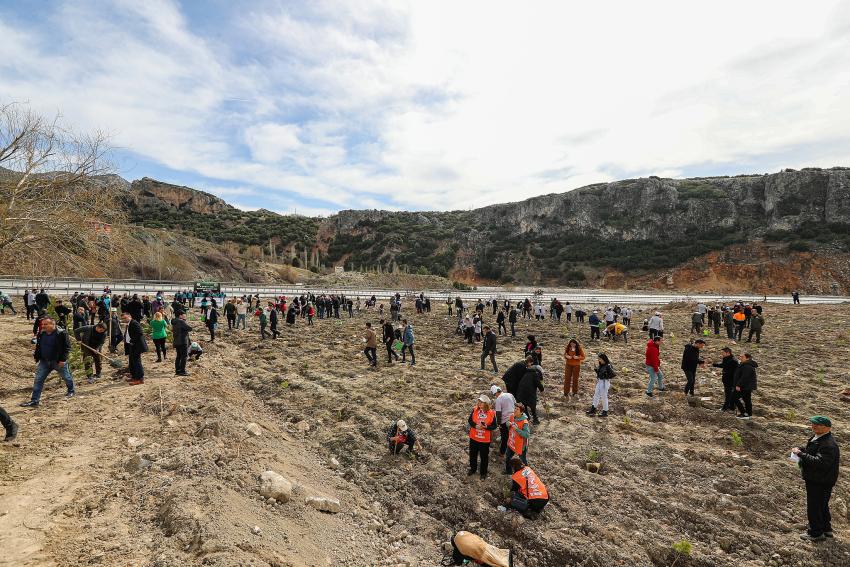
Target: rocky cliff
{"x": 769, "y": 233}
{"x": 146, "y": 192}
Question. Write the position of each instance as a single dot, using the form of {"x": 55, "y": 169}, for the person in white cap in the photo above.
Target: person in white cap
{"x": 482, "y": 422}
{"x": 400, "y": 435}
{"x": 656, "y": 326}
{"x": 504, "y": 406}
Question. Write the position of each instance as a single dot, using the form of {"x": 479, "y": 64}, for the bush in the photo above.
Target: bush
{"x": 296, "y": 263}
{"x": 799, "y": 246}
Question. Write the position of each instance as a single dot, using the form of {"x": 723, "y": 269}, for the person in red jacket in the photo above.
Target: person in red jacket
{"x": 482, "y": 423}
{"x": 653, "y": 365}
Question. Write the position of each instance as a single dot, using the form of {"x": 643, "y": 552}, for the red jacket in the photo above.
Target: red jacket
{"x": 653, "y": 355}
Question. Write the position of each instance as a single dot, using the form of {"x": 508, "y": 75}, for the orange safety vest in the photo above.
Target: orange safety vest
{"x": 484, "y": 418}
{"x": 529, "y": 484}
{"x": 739, "y": 316}
{"x": 516, "y": 442}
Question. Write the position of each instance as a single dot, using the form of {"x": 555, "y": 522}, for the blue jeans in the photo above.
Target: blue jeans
{"x": 653, "y": 376}
{"x": 43, "y": 370}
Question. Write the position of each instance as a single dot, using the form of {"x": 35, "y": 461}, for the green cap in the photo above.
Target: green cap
{"x": 820, "y": 420}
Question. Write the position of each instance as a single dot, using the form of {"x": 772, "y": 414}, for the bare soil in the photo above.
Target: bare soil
{"x": 166, "y": 474}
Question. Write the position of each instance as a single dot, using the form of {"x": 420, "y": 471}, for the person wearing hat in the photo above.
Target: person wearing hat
{"x": 400, "y": 435}
{"x": 656, "y": 325}
{"x": 482, "y": 422}
{"x": 818, "y": 462}
{"x": 504, "y": 403}
{"x": 690, "y": 361}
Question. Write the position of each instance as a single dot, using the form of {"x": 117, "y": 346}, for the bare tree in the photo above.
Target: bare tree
{"x": 57, "y": 203}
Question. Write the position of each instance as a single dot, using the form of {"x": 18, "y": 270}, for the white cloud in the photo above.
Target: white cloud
{"x": 442, "y": 104}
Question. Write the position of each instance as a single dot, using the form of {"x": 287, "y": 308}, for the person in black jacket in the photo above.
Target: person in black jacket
{"x": 91, "y": 339}
{"x": 513, "y": 376}
{"x": 212, "y": 322}
{"x": 42, "y": 300}
{"x": 135, "y": 308}
{"x": 62, "y": 313}
{"x": 134, "y": 346}
{"x": 512, "y": 320}
{"x": 529, "y": 384}
{"x": 51, "y": 353}
{"x": 745, "y": 383}
{"x": 690, "y": 361}
{"x": 500, "y": 321}
{"x": 273, "y": 320}
{"x": 400, "y": 435}
{"x": 489, "y": 348}
{"x": 180, "y": 330}
{"x": 728, "y": 365}
{"x": 388, "y": 338}
{"x": 819, "y": 464}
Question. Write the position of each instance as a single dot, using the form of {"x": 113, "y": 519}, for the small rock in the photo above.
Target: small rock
{"x": 273, "y": 485}
{"x": 256, "y": 530}
{"x": 302, "y": 426}
{"x": 330, "y": 505}
{"x": 254, "y": 430}
{"x": 137, "y": 464}
{"x": 334, "y": 464}
{"x": 134, "y": 442}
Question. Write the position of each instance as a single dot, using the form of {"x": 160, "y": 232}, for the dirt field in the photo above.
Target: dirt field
{"x": 166, "y": 474}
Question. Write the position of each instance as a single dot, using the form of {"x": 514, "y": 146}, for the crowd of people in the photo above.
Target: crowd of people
{"x": 509, "y": 412}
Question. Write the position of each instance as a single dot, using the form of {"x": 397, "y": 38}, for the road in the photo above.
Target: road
{"x": 14, "y": 285}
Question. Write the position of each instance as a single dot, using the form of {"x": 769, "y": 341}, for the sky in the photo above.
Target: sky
{"x": 313, "y": 107}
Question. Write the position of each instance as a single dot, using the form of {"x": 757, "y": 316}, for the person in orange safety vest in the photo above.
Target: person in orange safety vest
{"x": 518, "y": 433}
{"x": 482, "y": 423}
{"x": 527, "y": 485}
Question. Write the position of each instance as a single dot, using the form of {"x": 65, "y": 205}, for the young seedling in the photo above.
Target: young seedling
{"x": 737, "y": 440}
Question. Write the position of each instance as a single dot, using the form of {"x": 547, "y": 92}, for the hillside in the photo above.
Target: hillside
{"x": 702, "y": 233}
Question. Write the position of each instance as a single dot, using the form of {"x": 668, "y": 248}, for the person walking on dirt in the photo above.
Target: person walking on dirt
{"x": 604, "y": 374}
{"x": 489, "y": 348}
{"x": 512, "y": 316}
{"x": 230, "y": 314}
{"x": 528, "y": 493}
{"x": 513, "y": 376}
{"x": 819, "y": 461}
{"x": 399, "y": 436}
{"x": 52, "y": 348}
{"x": 388, "y": 338}
{"x": 740, "y": 322}
{"x": 134, "y": 346}
{"x": 42, "y": 300}
{"x": 504, "y": 403}
{"x": 212, "y": 322}
{"x": 756, "y": 325}
{"x": 594, "y": 323}
{"x": 652, "y": 359}
{"x": 159, "y": 332}
{"x": 690, "y": 361}
{"x": 500, "y": 321}
{"x": 6, "y": 301}
{"x": 180, "y": 330}
{"x": 29, "y": 304}
{"x": 530, "y": 383}
{"x": 371, "y": 345}
{"x": 795, "y": 296}
{"x": 482, "y": 422}
{"x": 273, "y": 320}
{"x": 746, "y": 381}
{"x": 62, "y": 313}
{"x": 728, "y": 366}
{"x": 519, "y": 433}
{"x": 91, "y": 338}
{"x": 573, "y": 357}
{"x": 263, "y": 319}
{"x": 407, "y": 338}
{"x": 729, "y": 323}
{"x": 9, "y": 425}
{"x": 241, "y": 314}
{"x": 656, "y": 325}
{"x": 715, "y": 317}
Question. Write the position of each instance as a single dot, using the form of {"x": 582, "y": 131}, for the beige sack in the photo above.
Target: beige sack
{"x": 476, "y": 548}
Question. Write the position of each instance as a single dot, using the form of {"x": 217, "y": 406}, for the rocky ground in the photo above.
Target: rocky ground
{"x": 168, "y": 473}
